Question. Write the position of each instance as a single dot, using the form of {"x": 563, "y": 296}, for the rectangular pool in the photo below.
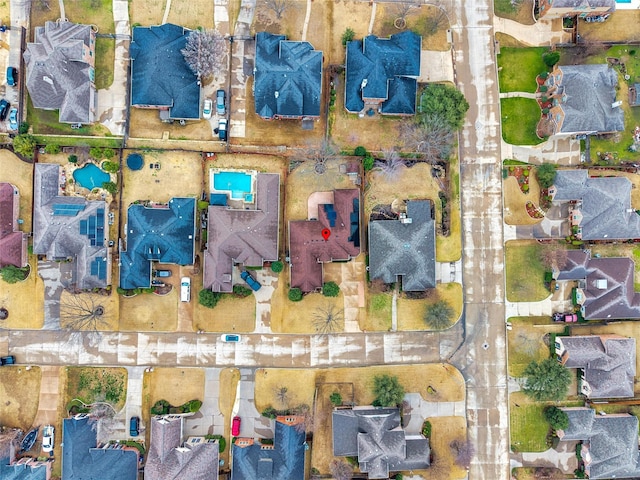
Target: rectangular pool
{"x": 238, "y": 183}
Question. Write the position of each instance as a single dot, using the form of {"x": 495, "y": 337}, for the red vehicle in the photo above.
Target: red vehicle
{"x": 235, "y": 426}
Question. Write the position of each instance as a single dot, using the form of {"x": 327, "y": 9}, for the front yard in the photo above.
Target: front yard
{"x": 96, "y": 384}
{"x": 19, "y": 390}
{"x": 524, "y": 272}
{"x": 518, "y": 67}
{"x": 520, "y": 117}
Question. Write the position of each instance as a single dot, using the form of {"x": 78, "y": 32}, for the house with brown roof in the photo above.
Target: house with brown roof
{"x": 550, "y": 9}
{"x": 606, "y": 364}
{"x": 13, "y": 242}
{"x": 309, "y": 249}
{"x": 169, "y": 458}
{"x": 242, "y": 231}
{"x": 605, "y": 286}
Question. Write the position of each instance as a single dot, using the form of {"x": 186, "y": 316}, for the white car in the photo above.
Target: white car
{"x": 47, "y": 438}
{"x": 207, "y": 109}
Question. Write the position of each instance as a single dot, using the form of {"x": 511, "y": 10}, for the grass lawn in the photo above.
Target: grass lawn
{"x": 445, "y": 430}
{"x": 148, "y": 312}
{"x": 46, "y": 122}
{"x": 97, "y": 384}
{"x": 525, "y": 273}
{"x": 230, "y": 314}
{"x": 522, "y": 13}
{"x": 527, "y": 423}
{"x": 92, "y": 12}
{"x": 520, "y": 117}
{"x": 73, "y": 305}
{"x": 518, "y": 68}
{"x": 298, "y": 317}
{"x": 411, "y": 311}
{"x": 105, "y": 55}
{"x": 378, "y": 317}
{"x": 19, "y": 390}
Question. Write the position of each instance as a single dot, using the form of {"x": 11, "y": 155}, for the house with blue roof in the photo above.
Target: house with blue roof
{"x": 25, "y": 468}
{"x": 160, "y": 77}
{"x": 382, "y": 74}
{"x": 279, "y": 460}
{"x": 163, "y": 233}
{"x": 288, "y": 78}
{"x": 84, "y": 459}
{"x": 70, "y": 228}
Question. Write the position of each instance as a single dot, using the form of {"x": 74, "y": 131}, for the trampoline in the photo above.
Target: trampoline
{"x": 135, "y": 161}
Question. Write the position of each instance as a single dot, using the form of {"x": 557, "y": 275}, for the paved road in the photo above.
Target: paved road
{"x": 482, "y": 358}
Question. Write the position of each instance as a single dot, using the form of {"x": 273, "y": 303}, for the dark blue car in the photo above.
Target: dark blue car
{"x": 12, "y": 76}
{"x": 252, "y": 282}
{"x": 134, "y": 426}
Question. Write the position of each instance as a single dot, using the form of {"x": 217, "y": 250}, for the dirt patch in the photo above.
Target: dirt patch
{"x": 445, "y": 430}
{"x": 148, "y": 312}
{"x": 411, "y": 311}
{"x": 229, "y": 378}
{"x": 621, "y": 26}
{"x": 19, "y": 389}
{"x": 231, "y": 314}
{"x": 99, "y": 384}
{"x": 515, "y": 212}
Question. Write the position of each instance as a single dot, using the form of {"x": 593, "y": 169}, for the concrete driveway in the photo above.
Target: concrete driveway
{"x": 49, "y": 396}
{"x": 56, "y": 276}
{"x": 208, "y": 420}
{"x": 253, "y": 424}
{"x": 133, "y": 405}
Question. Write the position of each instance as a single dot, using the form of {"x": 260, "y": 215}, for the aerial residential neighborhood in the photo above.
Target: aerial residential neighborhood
{"x": 291, "y": 240}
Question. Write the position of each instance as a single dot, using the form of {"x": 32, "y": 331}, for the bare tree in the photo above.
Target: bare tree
{"x": 82, "y": 311}
{"x": 278, "y": 7}
{"x": 404, "y": 7}
{"x": 554, "y": 256}
{"x": 391, "y": 165}
{"x": 205, "y": 52}
{"x": 101, "y": 417}
{"x": 464, "y": 452}
{"x": 527, "y": 345}
{"x": 430, "y": 136}
{"x": 548, "y": 473}
{"x": 321, "y": 154}
{"x": 282, "y": 395}
{"x": 340, "y": 470}
{"x": 437, "y": 19}
{"x": 327, "y": 319}
{"x": 41, "y": 4}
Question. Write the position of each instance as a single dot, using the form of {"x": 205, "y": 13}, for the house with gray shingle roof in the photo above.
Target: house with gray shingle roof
{"x": 247, "y": 235}
{"x": 375, "y": 436}
{"x": 609, "y": 442}
{"x": 13, "y": 242}
{"x": 169, "y": 458}
{"x": 583, "y": 100}
{"x": 281, "y": 459}
{"x": 84, "y": 459}
{"x": 405, "y": 248}
{"x": 60, "y": 70}
{"x": 287, "y": 78}
{"x": 160, "y": 77}
{"x": 634, "y": 95}
{"x": 163, "y": 233}
{"x": 550, "y": 9}
{"x": 25, "y": 468}
{"x": 70, "y": 228}
{"x": 599, "y": 206}
{"x": 606, "y": 363}
{"x": 381, "y": 74}
{"x": 605, "y": 286}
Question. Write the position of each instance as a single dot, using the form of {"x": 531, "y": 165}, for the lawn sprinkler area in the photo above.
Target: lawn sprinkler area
{"x": 237, "y": 185}
{"x": 90, "y": 176}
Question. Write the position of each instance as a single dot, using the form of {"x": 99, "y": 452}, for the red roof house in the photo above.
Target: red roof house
{"x": 13, "y": 242}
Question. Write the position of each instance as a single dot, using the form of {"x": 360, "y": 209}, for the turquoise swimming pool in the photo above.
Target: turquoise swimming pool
{"x": 90, "y": 176}
{"x": 238, "y": 183}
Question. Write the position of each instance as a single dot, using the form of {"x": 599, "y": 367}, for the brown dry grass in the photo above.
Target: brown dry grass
{"x": 621, "y": 26}
{"x": 5, "y": 15}
{"x": 75, "y": 388}
{"x": 411, "y": 311}
{"x": 24, "y": 300}
{"x": 19, "y": 390}
{"x": 509, "y": 41}
{"x": 526, "y": 342}
{"x": 515, "y": 211}
{"x": 111, "y": 303}
{"x": 417, "y": 20}
{"x": 633, "y": 178}
{"x": 41, "y": 14}
{"x": 192, "y": 14}
{"x": 297, "y": 317}
{"x": 445, "y": 430}
{"x": 229, "y": 378}
{"x": 145, "y": 123}
{"x": 148, "y": 312}
{"x": 146, "y": 12}
{"x": 378, "y": 317}
{"x": 20, "y": 174}
{"x": 231, "y": 314}
{"x": 290, "y": 24}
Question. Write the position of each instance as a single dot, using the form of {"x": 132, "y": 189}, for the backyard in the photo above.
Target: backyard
{"x": 524, "y": 272}
{"x": 520, "y": 117}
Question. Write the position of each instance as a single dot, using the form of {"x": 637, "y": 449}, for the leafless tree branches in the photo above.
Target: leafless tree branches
{"x": 327, "y": 319}
{"x": 282, "y": 395}
{"x": 404, "y": 7}
{"x": 205, "y": 52}
{"x": 340, "y": 470}
{"x": 553, "y": 256}
{"x": 82, "y": 311}
{"x": 278, "y": 7}
{"x": 464, "y": 452}
{"x": 391, "y": 165}
{"x": 102, "y": 421}
{"x": 430, "y": 136}
{"x": 321, "y": 154}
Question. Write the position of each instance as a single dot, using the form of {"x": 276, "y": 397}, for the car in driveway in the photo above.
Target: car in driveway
{"x": 220, "y": 100}
{"x": 230, "y": 338}
{"x": 162, "y": 273}
{"x": 4, "y": 109}
{"x": 13, "y": 119}
{"x": 134, "y": 426}
{"x": 206, "y": 110}
{"x": 222, "y": 129}
{"x": 252, "y": 282}
{"x": 47, "y": 438}
{"x": 12, "y": 76}
{"x": 235, "y": 426}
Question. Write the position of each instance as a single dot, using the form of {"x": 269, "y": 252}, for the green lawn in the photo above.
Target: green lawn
{"x": 92, "y": 12}
{"x": 520, "y": 117}
{"x": 105, "y": 55}
{"x": 528, "y": 426}
{"x": 518, "y": 68}
{"x": 525, "y": 273}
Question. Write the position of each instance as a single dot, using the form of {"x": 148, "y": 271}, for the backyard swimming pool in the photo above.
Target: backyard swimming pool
{"x": 90, "y": 176}
{"x": 238, "y": 183}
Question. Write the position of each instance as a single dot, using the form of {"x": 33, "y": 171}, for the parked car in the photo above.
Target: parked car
{"x": 162, "y": 273}
{"x": 230, "y": 338}
{"x": 10, "y": 360}
{"x": 47, "y": 438}
{"x": 252, "y": 282}
{"x": 206, "y": 110}
{"x": 235, "y": 426}
{"x": 13, "y": 119}
{"x": 12, "y": 76}
{"x": 222, "y": 129}
{"x": 134, "y": 426}
{"x": 4, "y": 109}
{"x": 185, "y": 289}
{"x": 220, "y": 96}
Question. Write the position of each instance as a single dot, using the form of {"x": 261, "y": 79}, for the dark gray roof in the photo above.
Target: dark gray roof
{"x": 608, "y": 362}
{"x": 159, "y": 75}
{"x": 605, "y": 204}
{"x": 60, "y": 70}
{"x": 167, "y": 461}
{"x": 407, "y": 250}
{"x": 288, "y": 78}
{"x": 588, "y": 93}
{"x": 165, "y": 234}
{"x": 607, "y": 285}
{"x": 242, "y": 236}
{"x": 584, "y": 4}
{"x": 81, "y": 460}
{"x": 60, "y": 235}
{"x": 383, "y": 69}
{"x": 376, "y": 437}
{"x": 612, "y": 441}
{"x": 284, "y": 460}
